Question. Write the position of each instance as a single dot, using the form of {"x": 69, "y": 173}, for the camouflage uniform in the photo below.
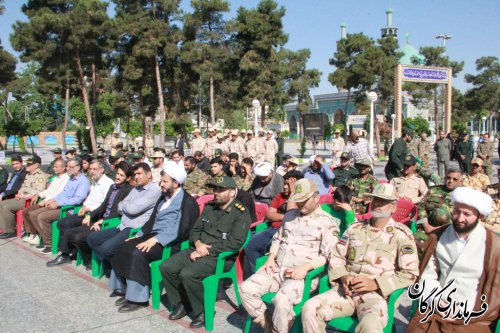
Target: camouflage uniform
{"x": 387, "y": 255}
{"x": 195, "y": 182}
{"x": 413, "y": 146}
{"x": 424, "y": 148}
{"x": 156, "y": 173}
{"x": 338, "y": 145}
{"x": 486, "y": 149}
{"x": 301, "y": 240}
{"x": 436, "y": 197}
{"x": 413, "y": 187}
{"x": 255, "y": 150}
{"x": 220, "y": 145}
{"x": 360, "y": 187}
{"x": 198, "y": 144}
{"x": 271, "y": 149}
{"x": 240, "y": 182}
{"x": 478, "y": 181}
{"x": 493, "y": 220}
{"x": 209, "y": 146}
{"x": 237, "y": 146}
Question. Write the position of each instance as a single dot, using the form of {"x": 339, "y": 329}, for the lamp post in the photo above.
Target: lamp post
{"x": 484, "y": 124}
{"x": 256, "y": 108}
{"x": 393, "y": 117}
{"x": 372, "y": 97}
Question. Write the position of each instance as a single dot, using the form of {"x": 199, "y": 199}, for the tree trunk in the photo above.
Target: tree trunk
{"x": 212, "y": 102}
{"x": 436, "y": 113}
{"x": 160, "y": 99}
{"x": 143, "y": 119}
{"x": 87, "y": 106}
{"x": 263, "y": 115}
{"x": 345, "y": 114}
{"x": 66, "y": 116}
{"x": 377, "y": 137}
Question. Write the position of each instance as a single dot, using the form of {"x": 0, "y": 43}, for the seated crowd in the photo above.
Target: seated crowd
{"x": 124, "y": 212}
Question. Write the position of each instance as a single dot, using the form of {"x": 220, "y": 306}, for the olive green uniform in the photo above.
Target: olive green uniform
{"x": 195, "y": 182}
{"x": 397, "y": 153}
{"x": 465, "y": 151}
{"x": 485, "y": 152}
{"x": 224, "y": 230}
{"x": 343, "y": 175}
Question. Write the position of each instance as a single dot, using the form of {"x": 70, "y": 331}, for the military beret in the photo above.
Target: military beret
{"x": 119, "y": 154}
{"x": 34, "y": 159}
{"x": 408, "y": 131}
{"x": 410, "y": 160}
{"x": 345, "y": 155}
{"x": 57, "y": 151}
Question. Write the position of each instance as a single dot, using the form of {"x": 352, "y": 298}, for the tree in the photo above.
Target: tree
{"x": 422, "y": 93}
{"x": 7, "y": 72}
{"x": 70, "y": 30}
{"x": 485, "y": 91}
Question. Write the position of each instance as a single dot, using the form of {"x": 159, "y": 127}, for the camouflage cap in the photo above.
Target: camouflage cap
{"x": 158, "y": 154}
{"x": 243, "y": 131}
{"x": 119, "y": 154}
{"x": 294, "y": 160}
{"x": 217, "y": 152}
{"x": 57, "y": 151}
{"x": 337, "y": 130}
{"x": 222, "y": 182}
{"x": 439, "y": 216}
{"x": 477, "y": 161}
{"x": 345, "y": 155}
{"x": 234, "y": 132}
{"x": 33, "y": 159}
{"x": 220, "y": 136}
{"x": 304, "y": 189}
{"x": 100, "y": 153}
{"x": 408, "y": 131}
{"x": 196, "y": 130}
{"x": 410, "y": 160}
{"x": 365, "y": 162}
{"x": 384, "y": 191}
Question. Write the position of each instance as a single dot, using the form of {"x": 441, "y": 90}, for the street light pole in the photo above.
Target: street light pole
{"x": 393, "y": 117}
{"x": 372, "y": 97}
{"x": 444, "y": 37}
{"x": 484, "y": 125}
{"x": 256, "y": 107}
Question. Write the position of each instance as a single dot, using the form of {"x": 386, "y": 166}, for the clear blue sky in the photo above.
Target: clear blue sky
{"x": 315, "y": 24}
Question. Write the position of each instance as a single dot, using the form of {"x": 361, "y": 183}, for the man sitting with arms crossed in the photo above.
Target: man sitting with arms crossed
{"x": 303, "y": 243}
{"x": 370, "y": 261}
{"x": 222, "y": 226}
{"x": 468, "y": 254}
{"x": 174, "y": 215}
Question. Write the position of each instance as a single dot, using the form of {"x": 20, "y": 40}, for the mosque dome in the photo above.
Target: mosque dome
{"x": 409, "y": 53}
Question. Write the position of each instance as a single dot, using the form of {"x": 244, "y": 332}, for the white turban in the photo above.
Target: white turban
{"x": 175, "y": 171}
{"x": 262, "y": 169}
{"x": 312, "y": 158}
{"x": 478, "y": 200}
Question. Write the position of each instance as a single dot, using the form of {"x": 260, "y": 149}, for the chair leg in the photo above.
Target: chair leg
{"x": 95, "y": 264}
{"x": 55, "y": 238}
{"x": 236, "y": 290}
{"x": 156, "y": 284}
{"x": 19, "y": 223}
{"x": 210, "y": 287}
{"x": 248, "y": 324}
{"x": 79, "y": 259}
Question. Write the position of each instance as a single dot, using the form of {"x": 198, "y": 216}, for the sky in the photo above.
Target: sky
{"x": 315, "y": 24}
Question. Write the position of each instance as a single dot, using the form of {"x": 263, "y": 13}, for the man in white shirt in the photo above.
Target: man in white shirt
{"x": 98, "y": 190}
{"x": 359, "y": 148}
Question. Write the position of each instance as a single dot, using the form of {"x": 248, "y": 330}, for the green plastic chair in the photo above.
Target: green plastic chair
{"x": 97, "y": 266}
{"x": 348, "y": 324}
{"x": 55, "y": 230}
{"x": 211, "y": 285}
{"x": 268, "y": 298}
{"x": 156, "y": 279}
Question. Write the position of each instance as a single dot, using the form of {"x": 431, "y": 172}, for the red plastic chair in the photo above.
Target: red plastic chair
{"x": 365, "y": 216}
{"x": 325, "y": 199}
{"x": 20, "y": 219}
{"x": 202, "y": 201}
{"x": 261, "y": 212}
{"x": 383, "y": 181}
{"x": 405, "y": 211}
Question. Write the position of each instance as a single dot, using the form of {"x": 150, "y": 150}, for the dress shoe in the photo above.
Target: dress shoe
{"x": 116, "y": 293}
{"x": 179, "y": 312}
{"x": 120, "y": 301}
{"x": 131, "y": 306}
{"x": 198, "y": 322}
{"x": 59, "y": 260}
{"x": 7, "y": 235}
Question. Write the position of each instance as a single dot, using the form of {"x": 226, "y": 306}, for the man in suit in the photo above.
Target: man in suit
{"x": 179, "y": 143}
{"x": 10, "y": 189}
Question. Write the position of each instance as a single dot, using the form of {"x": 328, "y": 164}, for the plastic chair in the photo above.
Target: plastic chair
{"x": 211, "y": 285}
{"x": 97, "y": 266}
{"x": 55, "y": 229}
{"x": 366, "y": 215}
{"x": 325, "y": 199}
{"x": 383, "y": 181}
{"x": 20, "y": 219}
{"x": 261, "y": 212}
{"x": 202, "y": 201}
{"x": 405, "y": 211}
{"x": 348, "y": 324}
{"x": 268, "y": 298}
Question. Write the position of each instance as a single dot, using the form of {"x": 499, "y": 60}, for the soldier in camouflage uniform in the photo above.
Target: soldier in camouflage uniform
{"x": 196, "y": 179}
{"x": 236, "y": 145}
{"x": 303, "y": 243}
{"x": 369, "y": 262}
{"x": 271, "y": 148}
{"x": 198, "y": 143}
{"x": 476, "y": 178}
{"x": 254, "y": 148}
{"x": 220, "y": 143}
{"x": 485, "y": 151}
{"x": 412, "y": 146}
{"x": 361, "y": 186}
{"x": 423, "y": 149}
{"x": 210, "y": 142}
{"x": 410, "y": 185}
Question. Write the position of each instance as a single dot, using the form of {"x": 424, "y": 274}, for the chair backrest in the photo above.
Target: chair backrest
{"x": 260, "y": 211}
{"x": 202, "y": 201}
{"x": 325, "y": 199}
{"x": 405, "y": 210}
{"x": 383, "y": 181}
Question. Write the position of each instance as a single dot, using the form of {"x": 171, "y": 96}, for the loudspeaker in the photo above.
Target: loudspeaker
{"x": 313, "y": 124}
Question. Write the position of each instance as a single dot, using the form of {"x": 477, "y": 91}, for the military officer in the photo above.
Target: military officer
{"x": 210, "y": 142}
{"x": 338, "y": 145}
{"x": 476, "y": 178}
{"x": 410, "y": 185}
{"x": 243, "y": 135}
{"x": 198, "y": 143}
{"x": 196, "y": 179}
{"x": 222, "y": 226}
{"x": 34, "y": 183}
{"x": 413, "y": 145}
{"x": 220, "y": 143}
{"x": 361, "y": 186}
{"x": 345, "y": 171}
{"x": 303, "y": 243}
{"x": 236, "y": 145}
{"x": 370, "y": 261}
{"x": 465, "y": 151}
{"x": 397, "y": 154}
{"x": 158, "y": 165}
{"x": 485, "y": 151}
{"x": 57, "y": 154}
{"x": 254, "y": 149}
{"x": 423, "y": 150}
{"x": 271, "y": 148}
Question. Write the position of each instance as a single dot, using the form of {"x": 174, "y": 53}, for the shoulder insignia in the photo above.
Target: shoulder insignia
{"x": 351, "y": 253}
{"x": 343, "y": 240}
{"x": 390, "y": 229}
{"x": 41, "y": 180}
{"x": 407, "y": 249}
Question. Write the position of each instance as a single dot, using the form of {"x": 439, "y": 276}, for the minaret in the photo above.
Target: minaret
{"x": 389, "y": 30}
{"x": 343, "y": 33}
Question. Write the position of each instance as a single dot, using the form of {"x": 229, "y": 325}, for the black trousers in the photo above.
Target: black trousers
{"x": 65, "y": 224}
{"x": 77, "y": 237}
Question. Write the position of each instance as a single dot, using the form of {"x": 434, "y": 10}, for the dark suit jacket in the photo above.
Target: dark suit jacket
{"x": 15, "y": 188}
{"x": 97, "y": 213}
{"x": 180, "y": 145}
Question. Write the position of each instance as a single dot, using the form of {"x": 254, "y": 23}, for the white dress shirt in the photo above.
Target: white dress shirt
{"x": 55, "y": 187}
{"x": 98, "y": 191}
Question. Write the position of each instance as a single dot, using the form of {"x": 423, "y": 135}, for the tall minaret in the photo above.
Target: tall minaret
{"x": 343, "y": 33}
{"x": 389, "y": 30}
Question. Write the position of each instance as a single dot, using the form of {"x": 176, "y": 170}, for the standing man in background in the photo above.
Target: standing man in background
{"x": 443, "y": 147}
{"x": 338, "y": 145}
{"x": 485, "y": 150}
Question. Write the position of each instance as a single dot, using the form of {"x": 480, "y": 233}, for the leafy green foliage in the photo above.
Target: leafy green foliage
{"x": 419, "y": 124}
